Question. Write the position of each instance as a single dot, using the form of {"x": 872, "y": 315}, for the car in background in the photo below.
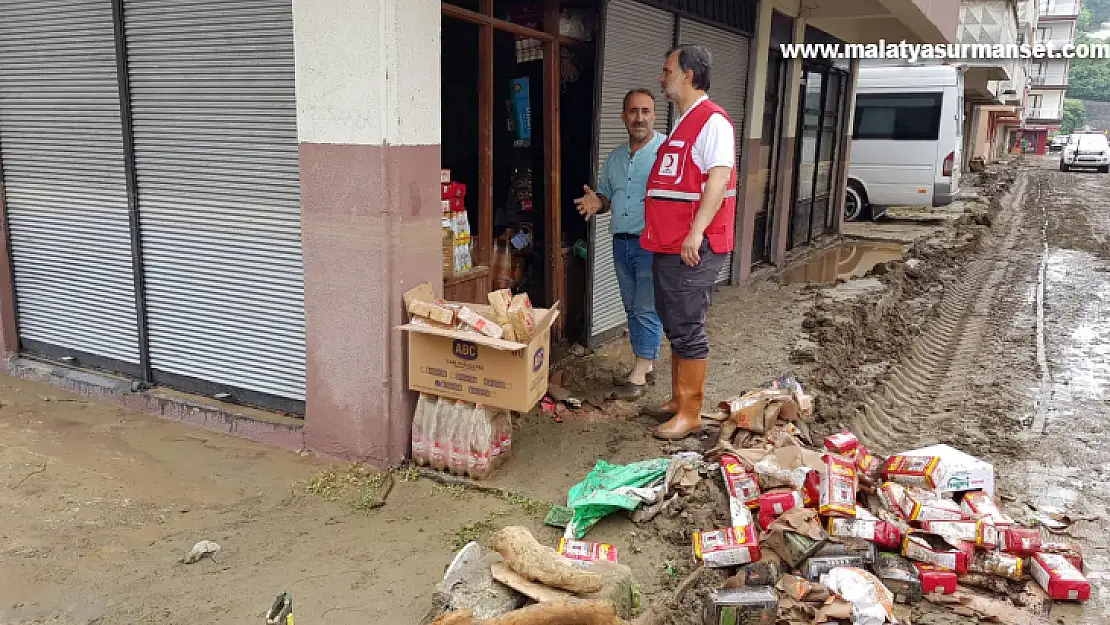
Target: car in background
{"x": 1086, "y": 150}
{"x": 1058, "y": 143}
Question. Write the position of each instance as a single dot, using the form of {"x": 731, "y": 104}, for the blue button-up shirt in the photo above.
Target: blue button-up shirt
{"x": 624, "y": 181}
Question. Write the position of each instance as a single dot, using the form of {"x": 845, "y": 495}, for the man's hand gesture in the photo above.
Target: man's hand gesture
{"x": 589, "y": 204}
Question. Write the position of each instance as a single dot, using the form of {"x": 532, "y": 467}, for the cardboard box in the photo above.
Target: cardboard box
{"x": 936, "y": 550}
{"x": 731, "y": 546}
{"x": 979, "y": 533}
{"x": 444, "y": 176}
{"x": 582, "y": 552}
{"x": 981, "y": 505}
{"x": 910, "y": 470}
{"x": 838, "y": 487}
{"x": 474, "y": 368}
{"x": 960, "y": 472}
{"x": 879, "y": 532}
{"x": 1061, "y": 580}
{"x": 936, "y": 579}
{"x": 1021, "y": 541}
{"x": 741, "y": 606}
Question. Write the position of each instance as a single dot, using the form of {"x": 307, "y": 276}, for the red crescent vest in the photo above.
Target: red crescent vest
{"x": 674, "y": 191}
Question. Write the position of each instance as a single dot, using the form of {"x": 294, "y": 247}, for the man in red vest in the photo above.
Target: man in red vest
{"x": 689, "y": 214}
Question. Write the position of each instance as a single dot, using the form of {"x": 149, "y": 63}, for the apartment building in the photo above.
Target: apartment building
{"x": 1057, "y": 24}
{"x": 994, "y": 89}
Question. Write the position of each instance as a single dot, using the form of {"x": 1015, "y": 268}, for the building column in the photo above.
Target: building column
{"x": 844, "y": 153}
{"x": 784, "y": 196}
{"x": 9, "y": 332}
{"x": 748, "y": 175}
{"x": 368, "y": 120}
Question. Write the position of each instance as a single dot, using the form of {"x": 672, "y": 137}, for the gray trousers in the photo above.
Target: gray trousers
{"x": 682, "y": 296}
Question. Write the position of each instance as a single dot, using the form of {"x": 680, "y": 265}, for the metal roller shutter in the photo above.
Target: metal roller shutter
{"x": 215, "y": 126}
{"x": 728, "y": 82}
{"x": 636, "y": 41}
{"x": 61, "y": 150}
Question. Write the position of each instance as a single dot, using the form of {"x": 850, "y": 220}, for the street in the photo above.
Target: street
{"x": 999, "y": 346}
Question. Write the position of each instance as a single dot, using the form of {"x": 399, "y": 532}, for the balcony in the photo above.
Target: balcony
{"x": 1043, "y": 113}
{"x": 1057, "y": 44}
{"x": 1059, "y": 8}
{"x": 1048, "y": 80}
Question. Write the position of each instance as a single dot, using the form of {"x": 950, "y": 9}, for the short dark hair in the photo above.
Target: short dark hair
{"x": 632, "y": 92}
{"x": 697, "y": 59}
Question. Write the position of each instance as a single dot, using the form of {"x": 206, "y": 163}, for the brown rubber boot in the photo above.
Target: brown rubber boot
{"x": 691, "y": 392}
{"x": 667, "y": 409}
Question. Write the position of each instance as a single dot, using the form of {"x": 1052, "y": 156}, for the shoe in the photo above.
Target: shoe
{"x": 667, "y": 409}
{"x": 629, "y": 391}
{"x": 691, "y": 393}
{"x": 621, "y": 379}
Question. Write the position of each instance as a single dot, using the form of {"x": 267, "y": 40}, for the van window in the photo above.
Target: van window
{"x": 898, "y": 116}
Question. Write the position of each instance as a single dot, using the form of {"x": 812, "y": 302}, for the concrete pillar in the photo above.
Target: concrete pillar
{"x": 785, "y": 171}
{"x": 844, "y": 151}
{"x": 368, "y": 120}
{"x": 752, "y": 191}
{"x": 9, "y": 333}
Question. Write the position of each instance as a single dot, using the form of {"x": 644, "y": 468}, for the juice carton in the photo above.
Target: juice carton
{"x": 1061, "y": 580}
{"x": 731, "y": 546}
{"x": 838, "y": 487}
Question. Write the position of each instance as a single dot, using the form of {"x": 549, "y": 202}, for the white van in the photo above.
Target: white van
{"x": 907, "y": 139}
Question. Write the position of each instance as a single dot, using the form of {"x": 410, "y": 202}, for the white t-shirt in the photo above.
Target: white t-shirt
{"x": 716, "y": 143}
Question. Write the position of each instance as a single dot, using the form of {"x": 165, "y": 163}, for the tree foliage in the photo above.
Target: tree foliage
{"x": 1089, "y": 79}
{"x": 1099, "y": 12}
{"x": 1075, "y": 116}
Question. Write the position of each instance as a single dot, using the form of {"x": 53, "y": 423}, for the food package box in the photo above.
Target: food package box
{"x": 882, "y": 533}
{"x": 522, "y": 316}
{"x": 850, "y": 547}
{"x": 1021, "y": 541}
{"x": 838, "y": 487}
{"x": 935, "y": 579}
{"x": 1070, "y": 553}
{"x": 813, "y": 568}
{"x": 775, "y": 503}
{"x": 811, "y": 490}
{"x": 430, "y": 310}
{"x": 763, "y": 573}
{"x": 935, "y": 549}
{"x": 582, "y": 552}
{"x": 792, "y": 547}
{"x": 499, "y": 301}
{"x": 922, "y": 505}
{"x": 979, "y": 533}
{"x": 867, "y": 462}
{"x": 1061, "y": 580}
{"x": 997, "y": 563}
{"x": 891, "y": 496}
{"x": 452, "y": 189}
{"x": 844, "y": 443}
{"x": 478, "y": 322}
{"x": 445, "y": 206}
{"x": 444, "y": 176}
{"x": 960, "y": 472}
{"x": 981, "y": 505}
{"x": 741, "y": 606}
{"x": 921, "y": 471}
{"x": 471, "y": 367}
{"x": 900, "y": 576}
{"x": 739, "y": 481}
{"x": 731, "y": 546}
{"x": 456, "y": 204}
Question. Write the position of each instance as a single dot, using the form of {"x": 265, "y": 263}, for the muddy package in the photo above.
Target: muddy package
{"x": 740, "y": 482}
{"x": 741, "y": 606}
{"x": 1060, "y": 579}
{"x": 763, "y": 573}
{"x": 979, "y": 533}
{"x": 794, "y": 548}
{"x": 817, "y": 566}
{"x": 1021, "y": 541}
{"x": 850, "y": 547}
{"x": 935, "y": 549}
{"x": 922, "y": 471}
{"x": 879, "y": 532}
{"x": 900, "y": 576}
{"x": 997, "y": 563}
{"x": 731, "y": 546}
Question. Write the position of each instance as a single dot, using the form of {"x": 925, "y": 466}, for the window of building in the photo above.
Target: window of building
{"x": 898, "y": 116}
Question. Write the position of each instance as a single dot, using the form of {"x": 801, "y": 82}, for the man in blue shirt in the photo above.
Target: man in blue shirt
{"x": 621, "y": 192}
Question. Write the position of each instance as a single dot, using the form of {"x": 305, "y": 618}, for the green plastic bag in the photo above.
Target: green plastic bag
{"x": 608, "y": 488}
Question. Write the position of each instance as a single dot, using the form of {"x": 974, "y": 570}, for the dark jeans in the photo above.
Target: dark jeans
{"x": 682, "y": 299}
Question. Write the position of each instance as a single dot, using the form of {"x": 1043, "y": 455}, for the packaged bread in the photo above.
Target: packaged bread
{"x": 500, "y": 300}
{"x": 477, "y": 322}
{"x": 522, "y": 317}
{"x": 507, "y": 332}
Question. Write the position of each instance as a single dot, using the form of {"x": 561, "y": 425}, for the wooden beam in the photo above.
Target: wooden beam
{"x": 485, "y": 138}
{"x": 466, "y": 15}
{"x": 555, "y": 273}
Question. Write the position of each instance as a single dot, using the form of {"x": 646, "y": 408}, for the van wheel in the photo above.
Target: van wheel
{"x": 1105, "y": 169}
{"x": 1063, "y": 167}
{"x": 856, "y": 207}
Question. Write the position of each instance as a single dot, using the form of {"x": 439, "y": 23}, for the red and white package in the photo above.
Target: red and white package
{"x": 980, "y": 505}
{"x": 881, "y": 533}
{"x": 811, "y": 490}
{"x": 775, "y": 503}
{"x": 844, "y": 443}
{"x": 997, "y": 563}
{"x": 1071, "y": 553}
{"x": 936, "y": 579}
{"x": 979, "y": 533}
{"x": 1021, "y": 541}
{"x": 740, "y": 482}
{"x": 867, "y": 462}
{"x": 937, "y": 550}
{"x": 582, "y": 552}
{"x": 731, "y": 546}
{"x": 891, "y": 496}
{"x": 1061, "y": 580}
{"x": 921, "y": 471}
{"x": 922, "y": 505}
{"x": 838, "y": 487}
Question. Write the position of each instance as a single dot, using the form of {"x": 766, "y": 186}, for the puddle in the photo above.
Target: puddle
{"x": 846, "y": 261}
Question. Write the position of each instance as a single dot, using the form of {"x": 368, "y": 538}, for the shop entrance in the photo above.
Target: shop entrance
{"x": 517, "y": 92}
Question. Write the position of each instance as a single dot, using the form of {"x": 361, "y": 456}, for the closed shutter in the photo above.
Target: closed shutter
{"x": 637, "y": 38}
{"x": 728, "y": 84}
{"x": 215, "y": 125}
{"x": 61, "y": 150}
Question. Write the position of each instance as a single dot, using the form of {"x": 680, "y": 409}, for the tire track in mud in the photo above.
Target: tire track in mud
{"x": 925, "y": 389}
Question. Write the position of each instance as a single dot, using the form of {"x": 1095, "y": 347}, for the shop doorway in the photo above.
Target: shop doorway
{"x": 820, "y": 114}
{"x": 769, "y": 157}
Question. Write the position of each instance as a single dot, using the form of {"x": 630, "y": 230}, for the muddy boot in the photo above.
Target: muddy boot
{"x": 629, "y": 391}
{"x": 691, "y": 392}
{"x": 667, "y": 409}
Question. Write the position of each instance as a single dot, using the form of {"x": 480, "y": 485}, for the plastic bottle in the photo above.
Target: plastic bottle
{"x": 478, "y": 466}
{"x": 460, "y": 448}
{"x": 495, "y": 449}
{"x": 420, "y": 422}
{"x": 441, "y": 444}
{"x": 504, "y": 429}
